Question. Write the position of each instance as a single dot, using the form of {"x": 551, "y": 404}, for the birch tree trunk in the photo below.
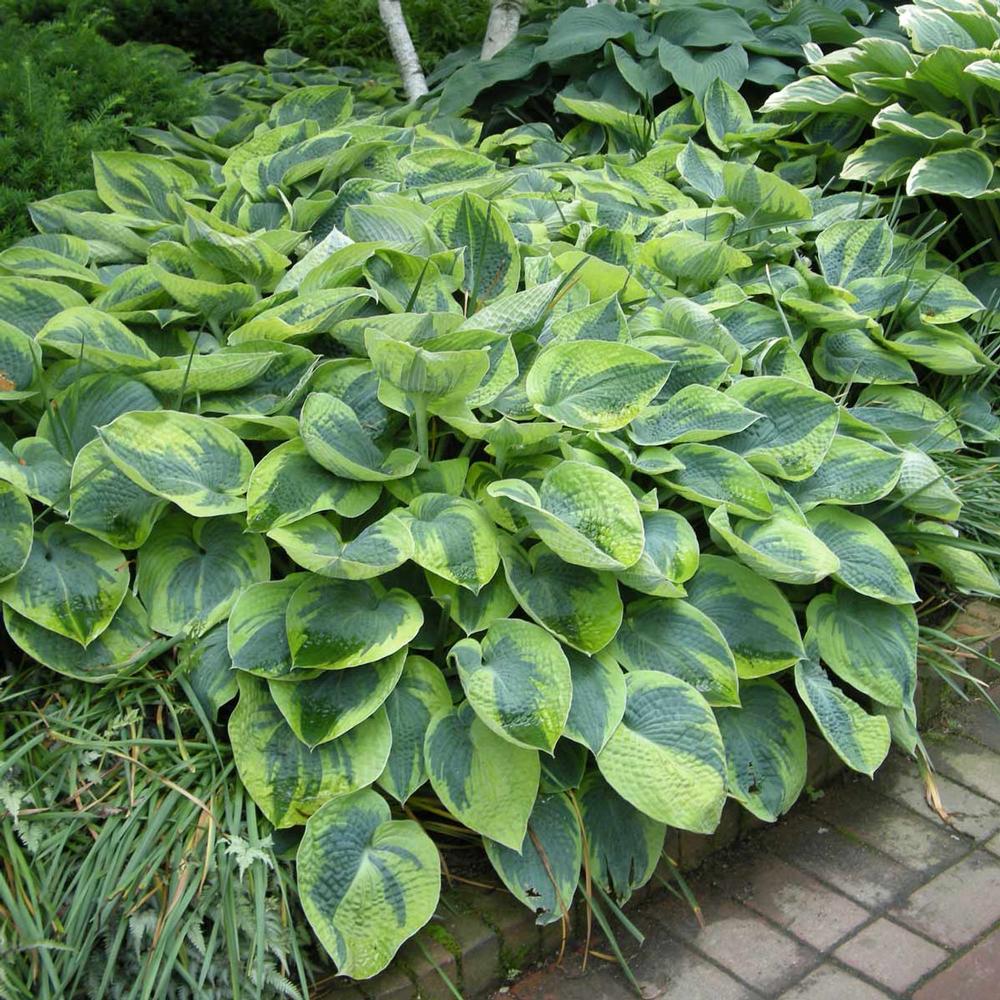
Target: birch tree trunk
{"x": 391, "y": 12}
{"x": 505, "y": 18}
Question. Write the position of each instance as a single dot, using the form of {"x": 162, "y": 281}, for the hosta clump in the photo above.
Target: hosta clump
{"x": 554, "y": 499}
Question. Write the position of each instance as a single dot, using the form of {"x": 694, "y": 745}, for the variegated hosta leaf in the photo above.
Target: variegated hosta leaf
{"x": 286, "y": 779}
{"x": 190, "y": 572}
{"x": 752, "y": 613}
{"x": 765, "y": 743}
{"x": 20, "y": 363}
{"x": 598, "y": 699}
{"x": 474, "y": 612}
{"x": 563, "y": 771}
{"x": 781, "y": 548}
{"x": 860, "y": 248}
{"x": 869, "y": 563}
{"x": 624, "y": 844}
{"x": 367, "y": 882}
{"x": 190, "y": 460}
{"x": 334, "y": 624}
{"x": 594, "y": 384}
{"x": 29, "y": 303}
{"x": 518, "y": 681}
{"x": 257, "y": 634}
{"x": 320, "y": 709}
{"x": 105, "y": 503}
{"x": 207, "y": 667}
{"x": 795, "y": 431}
{"x": 140, "y": 184}
{"x": 35, "y": 467}
{"x": 315, "y": 544}
{"x": 544, "y": 872}
{"x": 860, "y": 740}
{"x": 287, "y": 485}
{"x": 693, "y": 413}
{"x": 335, "y": 438}
{"x": 666, "y": 757}
{"x": 869, "y": 644}
{"x": 922, "y": 486}
{"x": 124, "y": 642}
{"x": 669, "y": 557}
{"x": 420, "y": 694}
{"x": 484, "y": 781}
{"x": 71, "y": 584}
{"x": 852, "y": 472}
{"x": 579, "y": 606}
{"x": 98, "y": 339}
{"x": 452, "y": 538}
{"x": 584, "y": 513}
{"x": 17, "y": 528}
{"x": 965, "y": 570}
{"x": 676, "y": 638}
{"x": 717, "y": 477}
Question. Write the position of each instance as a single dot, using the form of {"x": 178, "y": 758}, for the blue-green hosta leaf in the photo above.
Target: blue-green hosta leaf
{"x": 141, "y": 184}
{"x": 286, "y": 779}
{"x": 105, "y": 503}
{"x": 287, "y": 485}
{"x": 869, "y": 562}
{"x": 474, "y": 612}
{"x": 492, "y": 262}
{"x": 544, "y": 871}
{"x": 765, "y": 743}
{"x": 29, "y": 303}
{"x": 674, "y": 637}
{"x": 205, "y": 664}
{"x": 795, "y": 431}
{"x": 518, "y": 681}
{"x": 860, "y": 248}
{"x": 20, "y": 363}
{"x": 563, "y": 771}
{"x": 669, "y": 555}
{"x": 852, "y": 357}
{"x": 115, "y": 650}
{"x": 694, "y": 70}
{"x": 753, "y": 615}
{"x": 370, "y": 623}
{"x": 585, "y": 514}
{"x": 598, "y": 699}
{"x": 184, "y": 458}
{"x": 307, "y": 314}
{"x": 579, "y": 606}
{"x": 860, "y": 740}
{"x": 718, "y": 477}
{"x": 693, "y": 413}
{"x": 420, "y": 694}
{"x": 594, "y": 384}
{"x": 190, "y": 572}
{"x": 452, "y": 538}
{"x": 624, "y": 844}
{"x": 35, "y": 467}
{"x": 17, "y": 528}
{"x": 98, "y": 339}
{"x": 960, "y": 173}
{"x": 316, "y": 545}
{"x": 257, "y": 636}
{"x": 869, "y": 644}
{"x": 484, "y": 781}
{"x": 71, "y": 584}
{"x": 335, "y": 438}
{"x": 367, "y": 882}
{"x": 320, "y": 709}
{"x": 782, "y": 548}
{"x": 666, "y": 757}
{"x": 852, "y": 472}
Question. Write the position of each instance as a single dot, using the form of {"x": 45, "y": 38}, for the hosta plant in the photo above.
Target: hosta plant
{"x": 545, "y": 504}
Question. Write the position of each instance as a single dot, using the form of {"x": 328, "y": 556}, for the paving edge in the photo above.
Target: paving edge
{"x": 484, "y": 938}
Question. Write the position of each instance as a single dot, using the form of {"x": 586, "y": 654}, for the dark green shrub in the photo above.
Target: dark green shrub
{"x": 65, "y": 91}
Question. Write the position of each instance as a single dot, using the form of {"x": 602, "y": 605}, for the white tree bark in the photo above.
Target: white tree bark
{"x": 391, "y": 12}
{"x": 505, "y": 19}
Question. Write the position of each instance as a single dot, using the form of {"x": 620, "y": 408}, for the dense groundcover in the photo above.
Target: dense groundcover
{"x": 541, "y": 485}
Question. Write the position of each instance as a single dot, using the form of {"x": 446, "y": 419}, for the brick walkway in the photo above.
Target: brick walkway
{"x": 861, "y": 894}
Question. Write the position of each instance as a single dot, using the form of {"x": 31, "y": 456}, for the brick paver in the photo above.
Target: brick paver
{"x": 863, "y": 894}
